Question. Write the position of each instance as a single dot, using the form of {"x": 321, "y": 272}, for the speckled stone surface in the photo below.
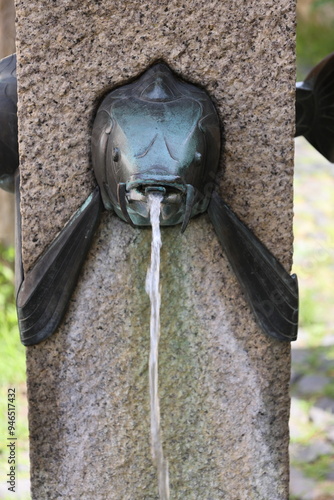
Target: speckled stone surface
{"x": 223, "y": 385}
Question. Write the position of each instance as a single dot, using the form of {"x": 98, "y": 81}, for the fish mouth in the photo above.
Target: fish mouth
{"x": 177, "y": 201}
{"x": 171, "y": 187}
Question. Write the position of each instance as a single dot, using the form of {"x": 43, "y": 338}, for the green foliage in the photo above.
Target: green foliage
{"x": 315, "y": 36}
{"x": 320, "y": 3}
{"x": 329, "y": 390}
{"x": 12, "y": 373}
{"x": 12, "y": 367}
{"x": 319, "y": 468}
{"x": 313, "y": 44}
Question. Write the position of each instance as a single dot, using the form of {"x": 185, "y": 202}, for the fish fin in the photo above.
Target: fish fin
{"x": 271, "y": 292}
{"x": 45, "y": 291}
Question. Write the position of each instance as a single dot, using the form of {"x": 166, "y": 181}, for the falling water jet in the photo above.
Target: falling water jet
{"x": 153, "y": 290}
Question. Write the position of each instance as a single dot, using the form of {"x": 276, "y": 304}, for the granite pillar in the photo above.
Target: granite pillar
{"x": 223, "y": 384}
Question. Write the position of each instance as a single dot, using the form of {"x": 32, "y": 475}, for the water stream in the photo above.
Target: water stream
{"x": 153, "y": 290}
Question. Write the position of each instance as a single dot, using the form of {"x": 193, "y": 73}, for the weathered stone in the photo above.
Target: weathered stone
{"x": 223, "y": 384}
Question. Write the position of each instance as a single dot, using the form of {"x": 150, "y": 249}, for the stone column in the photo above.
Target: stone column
{"x": 223, "y": 384}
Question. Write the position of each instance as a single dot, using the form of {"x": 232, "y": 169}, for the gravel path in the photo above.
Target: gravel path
{"x": 312, "y": 384}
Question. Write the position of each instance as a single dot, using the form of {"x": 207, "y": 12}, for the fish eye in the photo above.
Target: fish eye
{"x": 116, "y": 154}
{"x": 198, "y": 158}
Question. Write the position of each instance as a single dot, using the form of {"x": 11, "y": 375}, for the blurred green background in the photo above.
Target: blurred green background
{"x": 315, "y": 33}
{"x": 312, "y": 382}
{"x": 312, "y": 387}
{"x": 12, "y": 375}
{"x": 12, "y": 353}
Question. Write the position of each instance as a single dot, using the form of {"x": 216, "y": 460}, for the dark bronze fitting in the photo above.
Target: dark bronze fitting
{"x": 9, "y": 155}
{"x": 315, "y": 107}
{"x": 271, "y": 292}
{"x": 167, "y": 135}
{"x": 157, "y": 134}
{"x": 45, "y": 291}
{"x": 121, "y": 197}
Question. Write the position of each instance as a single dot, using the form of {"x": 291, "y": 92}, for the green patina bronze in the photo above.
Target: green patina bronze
{"x": 157, "y": 133}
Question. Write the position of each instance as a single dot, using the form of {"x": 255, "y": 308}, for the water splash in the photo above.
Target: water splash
{"x": 153, "y": 290}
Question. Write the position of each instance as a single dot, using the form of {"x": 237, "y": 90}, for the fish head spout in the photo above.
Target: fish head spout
{"x": 156, "y": 134}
